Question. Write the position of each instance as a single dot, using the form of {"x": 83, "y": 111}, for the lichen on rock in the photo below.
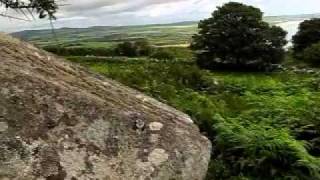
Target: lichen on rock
{"x": 60, "y": 121}
{"x": 158, "y": 156}
{"x": 3, "y": 126}
{"x": 155, "y": 126}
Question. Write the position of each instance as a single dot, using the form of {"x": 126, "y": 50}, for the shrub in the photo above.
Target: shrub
{"x": 127, "y": 49}
{"x": 236, "y": 37}
{"x": 134, "y": 49}
{"x": 79, "y": 51}
{"x": 163, "y": 54}
{"x": 184, "y": 53}
{"x": 307, "y": 35}
{"x": 260, "y": 152}
{"x": 312, "y": 54}
{"x": 143, "y": 48}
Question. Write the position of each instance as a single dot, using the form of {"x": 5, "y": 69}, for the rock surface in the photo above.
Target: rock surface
{"x": 59, "y": 121}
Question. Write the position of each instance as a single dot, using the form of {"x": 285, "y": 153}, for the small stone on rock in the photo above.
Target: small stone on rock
{"x": 155, "y": 126}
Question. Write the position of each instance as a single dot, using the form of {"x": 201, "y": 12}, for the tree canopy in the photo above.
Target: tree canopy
{"x": 135, "y": 48}
{"x": 311, "y": 54}
{"x": 44, "y": 8}
{"x": 308, "y": 34}
{"x": 237, "y": 37}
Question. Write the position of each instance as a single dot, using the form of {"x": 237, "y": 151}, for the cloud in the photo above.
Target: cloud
{"x": 83, "y": 13}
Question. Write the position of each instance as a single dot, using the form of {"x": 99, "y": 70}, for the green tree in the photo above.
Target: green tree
{"x": 311, "y": 54}
{"x": 44, "y": 8}
{"x": 237, "y": 37}
{"x": 143, "y": 48}
{"x": 127, "y": 49}
{"x": 308, "y": 34}
{"x": 133, "y": 49}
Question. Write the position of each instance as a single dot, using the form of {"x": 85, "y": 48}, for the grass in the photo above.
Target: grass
{"x": 262, "y": 125}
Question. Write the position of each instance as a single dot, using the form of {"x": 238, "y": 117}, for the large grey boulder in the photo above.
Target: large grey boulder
{"x": 59, "y": 121}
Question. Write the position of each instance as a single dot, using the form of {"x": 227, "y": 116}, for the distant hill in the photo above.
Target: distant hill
{"x": 158, "y": 34}
{"x": 31, "y": 34}
{"x": 286, "y": 18}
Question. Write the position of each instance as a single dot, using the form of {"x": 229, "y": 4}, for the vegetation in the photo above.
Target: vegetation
{"x": 307, "y": 35}
{"x": 173, "y": 35}
{"x": 80, "y": 51}
{"x": 262, "y": 125}
{"x": 45, "y": 8}
{"x": 236, "y": 37}
{"x": 134, "y": 49}
{"x": 127, "y": 49}
{"x": 311, "y": 54}
{"x": 143, "y": 48}
{"x": 140, "y": 48}
{"x": 163, "y": 54}
{"x": 179, "y": 52}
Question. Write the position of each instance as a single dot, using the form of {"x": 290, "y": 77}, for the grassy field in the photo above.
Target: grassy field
{"x": 262, "y": 125}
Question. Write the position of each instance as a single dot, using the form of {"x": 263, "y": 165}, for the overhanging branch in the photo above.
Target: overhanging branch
{"x": 44, "y": 8}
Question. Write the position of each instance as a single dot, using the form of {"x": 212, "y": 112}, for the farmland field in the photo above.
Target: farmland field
{"x": 158, "y": 35}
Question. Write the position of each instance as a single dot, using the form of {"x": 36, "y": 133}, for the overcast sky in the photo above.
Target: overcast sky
{"x": 83, "y": 13}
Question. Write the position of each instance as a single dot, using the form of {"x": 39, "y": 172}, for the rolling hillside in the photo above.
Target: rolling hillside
{"x": 175, "y": 34}
{"x": 157, "y": 34}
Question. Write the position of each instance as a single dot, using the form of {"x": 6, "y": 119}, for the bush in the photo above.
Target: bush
{"x": 79, "y": 51}
{"x": 184, "y": 53}
{"x": 307, "y": 35}
{"x": 236, "y": 37}
{"x": 143, "y": 48}
{"x": 134, "y": 49}
{"x": 163, "y": 54}
{"x": 260, "y": 152}
{"x": 312, "y": 54}
{"x": 127, "y": 49}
